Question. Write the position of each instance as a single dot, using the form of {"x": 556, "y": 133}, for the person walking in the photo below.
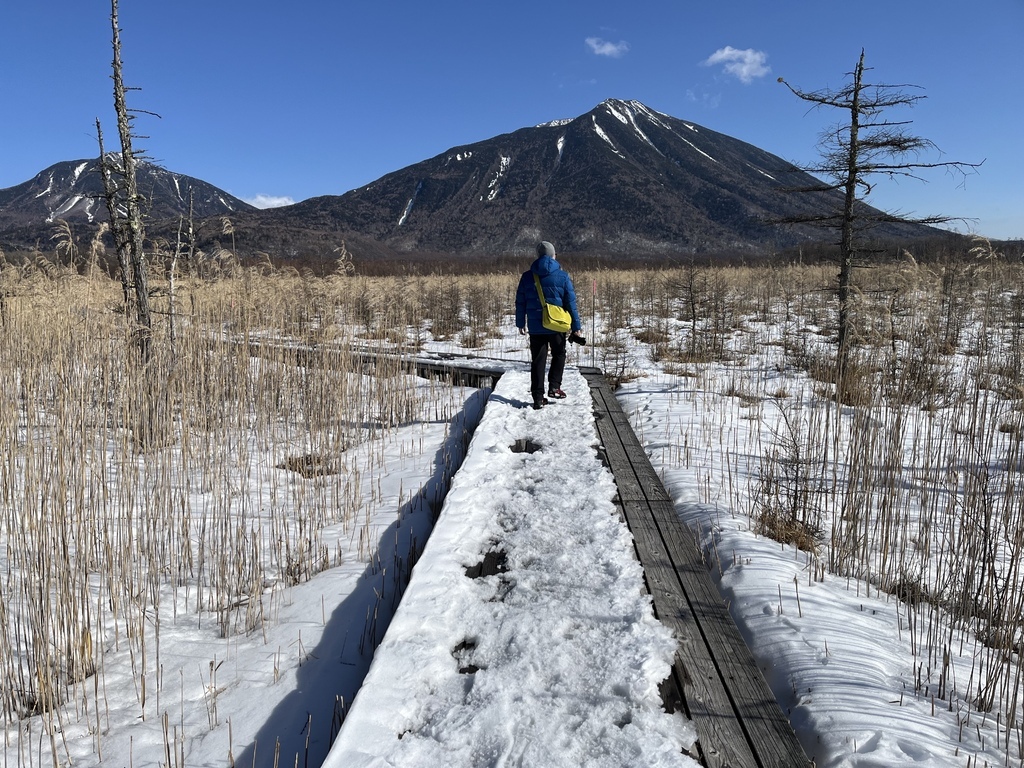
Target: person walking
{"x": 558, "y": 291}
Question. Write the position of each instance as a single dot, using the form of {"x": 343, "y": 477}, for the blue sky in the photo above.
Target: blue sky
{"x": 293, "y": 100}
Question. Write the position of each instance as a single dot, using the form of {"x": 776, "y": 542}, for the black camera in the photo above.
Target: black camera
{"x": 576, "y": 338}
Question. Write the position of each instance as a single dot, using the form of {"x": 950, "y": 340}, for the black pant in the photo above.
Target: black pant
{"x": 538, "y": 360}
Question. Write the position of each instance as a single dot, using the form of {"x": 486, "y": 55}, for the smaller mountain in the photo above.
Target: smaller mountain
{"x": 621, "y": 180}
{"x": 73, "y": 191}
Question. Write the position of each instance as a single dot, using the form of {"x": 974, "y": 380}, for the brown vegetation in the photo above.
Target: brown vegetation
{"x": 930, "y": 424}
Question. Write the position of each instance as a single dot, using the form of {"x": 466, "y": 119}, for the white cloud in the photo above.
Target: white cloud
{"x": 606, "y": 48}
{"x": 269, "y": 201}
{"x": 746, "y": 64}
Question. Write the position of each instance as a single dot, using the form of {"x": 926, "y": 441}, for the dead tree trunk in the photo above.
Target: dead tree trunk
{"x": 110, "y": 197}
{"x": 852, "y": 153}
{"x": 149, "y": 396}
{"x": 133, "y": 232}
{"x": 846, "y": 240}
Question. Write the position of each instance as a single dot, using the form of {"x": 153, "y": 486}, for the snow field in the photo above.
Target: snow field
{"x": 840, "y": 656}
{"x": 272, "y": 695}
{"x": 553, "y": 661}
{"x": 863, "y": 675}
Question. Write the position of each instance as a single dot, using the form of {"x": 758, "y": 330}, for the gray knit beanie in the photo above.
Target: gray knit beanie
{"x": 544, "y": 248}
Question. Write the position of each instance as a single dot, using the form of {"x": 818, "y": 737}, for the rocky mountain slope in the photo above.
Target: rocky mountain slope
{"x": 621, "y": 179}
{"x": 73, "y": 191}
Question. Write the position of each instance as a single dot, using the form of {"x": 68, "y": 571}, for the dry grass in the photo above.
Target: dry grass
{"x": 904, "y": 471}
{"x": 124, "y": 488}
{"x": 777, "y": 524}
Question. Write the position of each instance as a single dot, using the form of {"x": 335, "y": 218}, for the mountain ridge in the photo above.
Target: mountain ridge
{"x": 621, "y": 179}
{"x": 72, "y": 190}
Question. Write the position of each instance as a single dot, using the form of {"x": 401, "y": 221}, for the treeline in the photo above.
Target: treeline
{"x": 322, "y": 259}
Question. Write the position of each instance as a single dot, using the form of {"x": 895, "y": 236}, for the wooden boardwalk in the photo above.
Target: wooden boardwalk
{"x": 452, "y": 367}
{"x": 715, "y": 678}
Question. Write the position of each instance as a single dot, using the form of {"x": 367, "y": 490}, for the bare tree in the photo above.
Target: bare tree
{"x": 864, "y": 145}
{"x": 150, "y": 404}
{"x": 124, "y": 203}
{"x": 111, "y": 193}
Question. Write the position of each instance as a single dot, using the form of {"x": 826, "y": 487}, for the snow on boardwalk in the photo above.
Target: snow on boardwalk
{"x": 554, "y": 660}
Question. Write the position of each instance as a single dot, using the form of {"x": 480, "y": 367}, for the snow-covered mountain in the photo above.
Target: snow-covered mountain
{"x": 622, "y": 179}
{"x": 73, "y": 191}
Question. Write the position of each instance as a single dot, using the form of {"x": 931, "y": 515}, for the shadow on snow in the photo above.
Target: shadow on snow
{"x": 307, "y": 720}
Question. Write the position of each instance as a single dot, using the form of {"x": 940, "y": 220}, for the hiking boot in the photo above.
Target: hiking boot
{"x": 538, "y": 404}
{"x": 556, "y": 393}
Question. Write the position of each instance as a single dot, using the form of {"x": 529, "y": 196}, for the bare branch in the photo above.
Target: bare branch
{"x": 864, "y": 145}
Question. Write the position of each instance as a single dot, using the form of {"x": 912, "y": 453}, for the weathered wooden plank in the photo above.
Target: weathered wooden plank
{"x": 604, "y": 398}
{"x": 765, "y": 725}
{"x": 650, "y": 481}
{"x": 612, "y": 444}
{"x": 708, "y": 704}
{"x": 319, "y": 356}
{"x": 618, "y": 461}
{"x": 616, "y": 435}
{"x": 738, "y": 720}
{"x": 636, "y": 466}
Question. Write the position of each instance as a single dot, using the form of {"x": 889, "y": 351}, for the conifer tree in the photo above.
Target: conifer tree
{"x": 864, "y": 145}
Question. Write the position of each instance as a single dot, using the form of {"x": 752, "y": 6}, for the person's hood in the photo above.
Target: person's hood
{"x": 544, "y": 266}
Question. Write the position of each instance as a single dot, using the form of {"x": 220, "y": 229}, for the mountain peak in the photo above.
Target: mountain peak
{"x": 73, "y": 190}
{"x": 620, "y": 180}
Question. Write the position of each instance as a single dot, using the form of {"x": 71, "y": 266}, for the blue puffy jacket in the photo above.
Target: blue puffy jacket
{"x": 558, "y": 290}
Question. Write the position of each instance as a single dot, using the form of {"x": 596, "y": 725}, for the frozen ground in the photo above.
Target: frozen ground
{"x": 553, "y": 661}
{"x": 840, "y": 654}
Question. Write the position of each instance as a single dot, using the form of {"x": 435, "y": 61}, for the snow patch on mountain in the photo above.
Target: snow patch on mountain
{"x": 615, "y": 113}
{"x": 628, "y": 117}
{"x": 650, "y": 114}
{"x": 495, "y": 184}
{"x": 698, "y": 149}
{"x": 627, "y": 111}
{"x": 64, "y": 208}
{"x": 603, "y": 135}
{"x": 408, "y": 206}
{"x": 457, "y": 157}
{"x": 49, "y": 188}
